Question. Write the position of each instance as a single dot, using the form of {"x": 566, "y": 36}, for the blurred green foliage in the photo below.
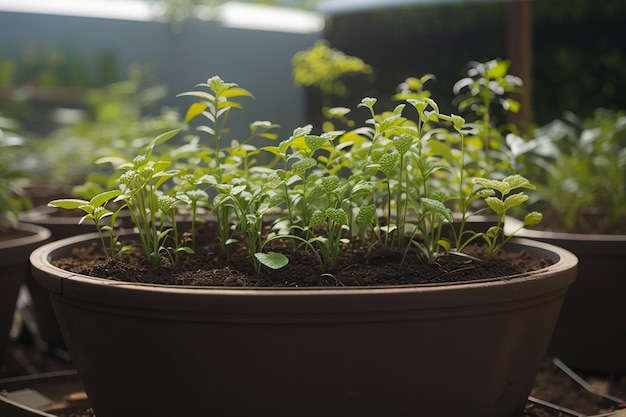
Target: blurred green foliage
{"x": 579, "y": 49}
{"x": 64, "y": 67}
{"x": 118, "y": 119}
{"x": 579, "y": 167}
{"x": 13, "y": 197}
{"x": 325, "y": 69}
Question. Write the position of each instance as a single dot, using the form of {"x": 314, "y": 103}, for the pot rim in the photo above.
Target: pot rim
{"x": 563, "y": 259}
{"x": 512, "y": 223}
{"x": 39, "y": 234}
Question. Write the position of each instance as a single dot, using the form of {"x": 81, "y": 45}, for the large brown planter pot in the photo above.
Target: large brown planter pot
{"x": 14, "y": 263}
{"x": 590, "y": 334}
{"x": 470, "y": 349}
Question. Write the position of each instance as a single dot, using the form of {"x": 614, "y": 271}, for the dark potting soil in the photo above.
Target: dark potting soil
{"x": 358, "y": 265}
{"x": 10, "y": 234}
{"x": 556, "y": 387}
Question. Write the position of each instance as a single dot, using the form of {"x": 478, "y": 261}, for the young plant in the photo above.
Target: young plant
{"x": 250, "y": 203}
{"x": 393, "y": 182}
{"x": 96, "y": 211}
{"x": 404, "y": 167}
{"x": 194, "y": 197}
{"x": 497, "y": 195}
{"x": 215, "y": 105}
{"x": 140, "y": 185}
{"x": 484, "y": 94}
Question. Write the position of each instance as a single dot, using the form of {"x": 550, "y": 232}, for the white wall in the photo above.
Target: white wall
{"x": 258, "y": 60}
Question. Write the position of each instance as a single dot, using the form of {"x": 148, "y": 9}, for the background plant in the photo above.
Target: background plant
{"x": 579, "y": 166}
{"x": 13, "y": 197}
{"x": 118, "y": 121}
{"x": 485, "y": 97}
{"x": 325, "y": 69}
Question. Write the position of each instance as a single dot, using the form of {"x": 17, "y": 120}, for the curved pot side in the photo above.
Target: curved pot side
{"x": 590, "y": 334}
{"x": 18, "y": 250}
{"x": 13, "y": 265}
{"x": 340, "y": 352}
{"x": 61, "y": 225}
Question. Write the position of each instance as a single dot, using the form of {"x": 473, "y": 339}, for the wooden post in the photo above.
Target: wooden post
{"x": 520, "y": 51}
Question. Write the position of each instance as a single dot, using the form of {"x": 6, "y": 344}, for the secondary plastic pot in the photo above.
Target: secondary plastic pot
{"x": 42, "y": 323}
{"x": 590, "y": 334}
{"x": 14, "y": 263}
{"x": 470, "y": 349}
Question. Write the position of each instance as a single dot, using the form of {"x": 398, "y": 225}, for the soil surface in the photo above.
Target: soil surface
{"x": 359, "y": 264}
{"x": 555, "y": 386}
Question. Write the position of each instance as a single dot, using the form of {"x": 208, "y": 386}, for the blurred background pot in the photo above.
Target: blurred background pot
{"x": 39, "y": 319}
{"x": 590, "y": 334}
{"x": 14, "y": 255}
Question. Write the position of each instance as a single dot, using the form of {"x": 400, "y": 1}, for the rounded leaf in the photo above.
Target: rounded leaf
{"x": 273, "y": 260}
{"x": 533, "y": 218}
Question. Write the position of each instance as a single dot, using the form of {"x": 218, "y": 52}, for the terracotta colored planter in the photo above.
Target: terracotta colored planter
{"x": 470, "y": 349}
{"x": 14, "y": 264}
{"x": 590, "y": 334}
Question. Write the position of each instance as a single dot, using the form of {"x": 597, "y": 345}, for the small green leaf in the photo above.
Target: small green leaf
{"x": 496, "y": 205}
{"x": 420, "y": 105}
{"x": 194, "y": 110}
{"x": 236, "y": 92}
{"x": 437, "y": 207}
{"x": 498, "y": 70}
{"x": 367, "y": 214}
{"x": 314, "y": 142}
{"x": 533, "y": 218}
{"x": 301, "y": 131}
{"x": 330, "y": 183}
{"x": 68, "y": 203}
{"x": 515, "y": 200}
{"x": 362, "y": 187}
{"x": 103, "y": 197}
{"x": 502, "y": 186}
{"x": 367, "y": 102}
{"x": 162, "y": 138}
{"x": 403, "y": 143}
{"x": 517, "y": 181}
{"x": 301, "y": 166}
{"x": 444, "y": 244}
{"x": 317, "y": 217}
{"x": 458, "y": 122}
{"x": 388, "y": 162}
{"x": 442, "y": 149}
{"x": 272, "y": 260}
{"x": 185, "y": 249}
{"x": 337, "y": 215}
{"x": 493, "y": 231}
